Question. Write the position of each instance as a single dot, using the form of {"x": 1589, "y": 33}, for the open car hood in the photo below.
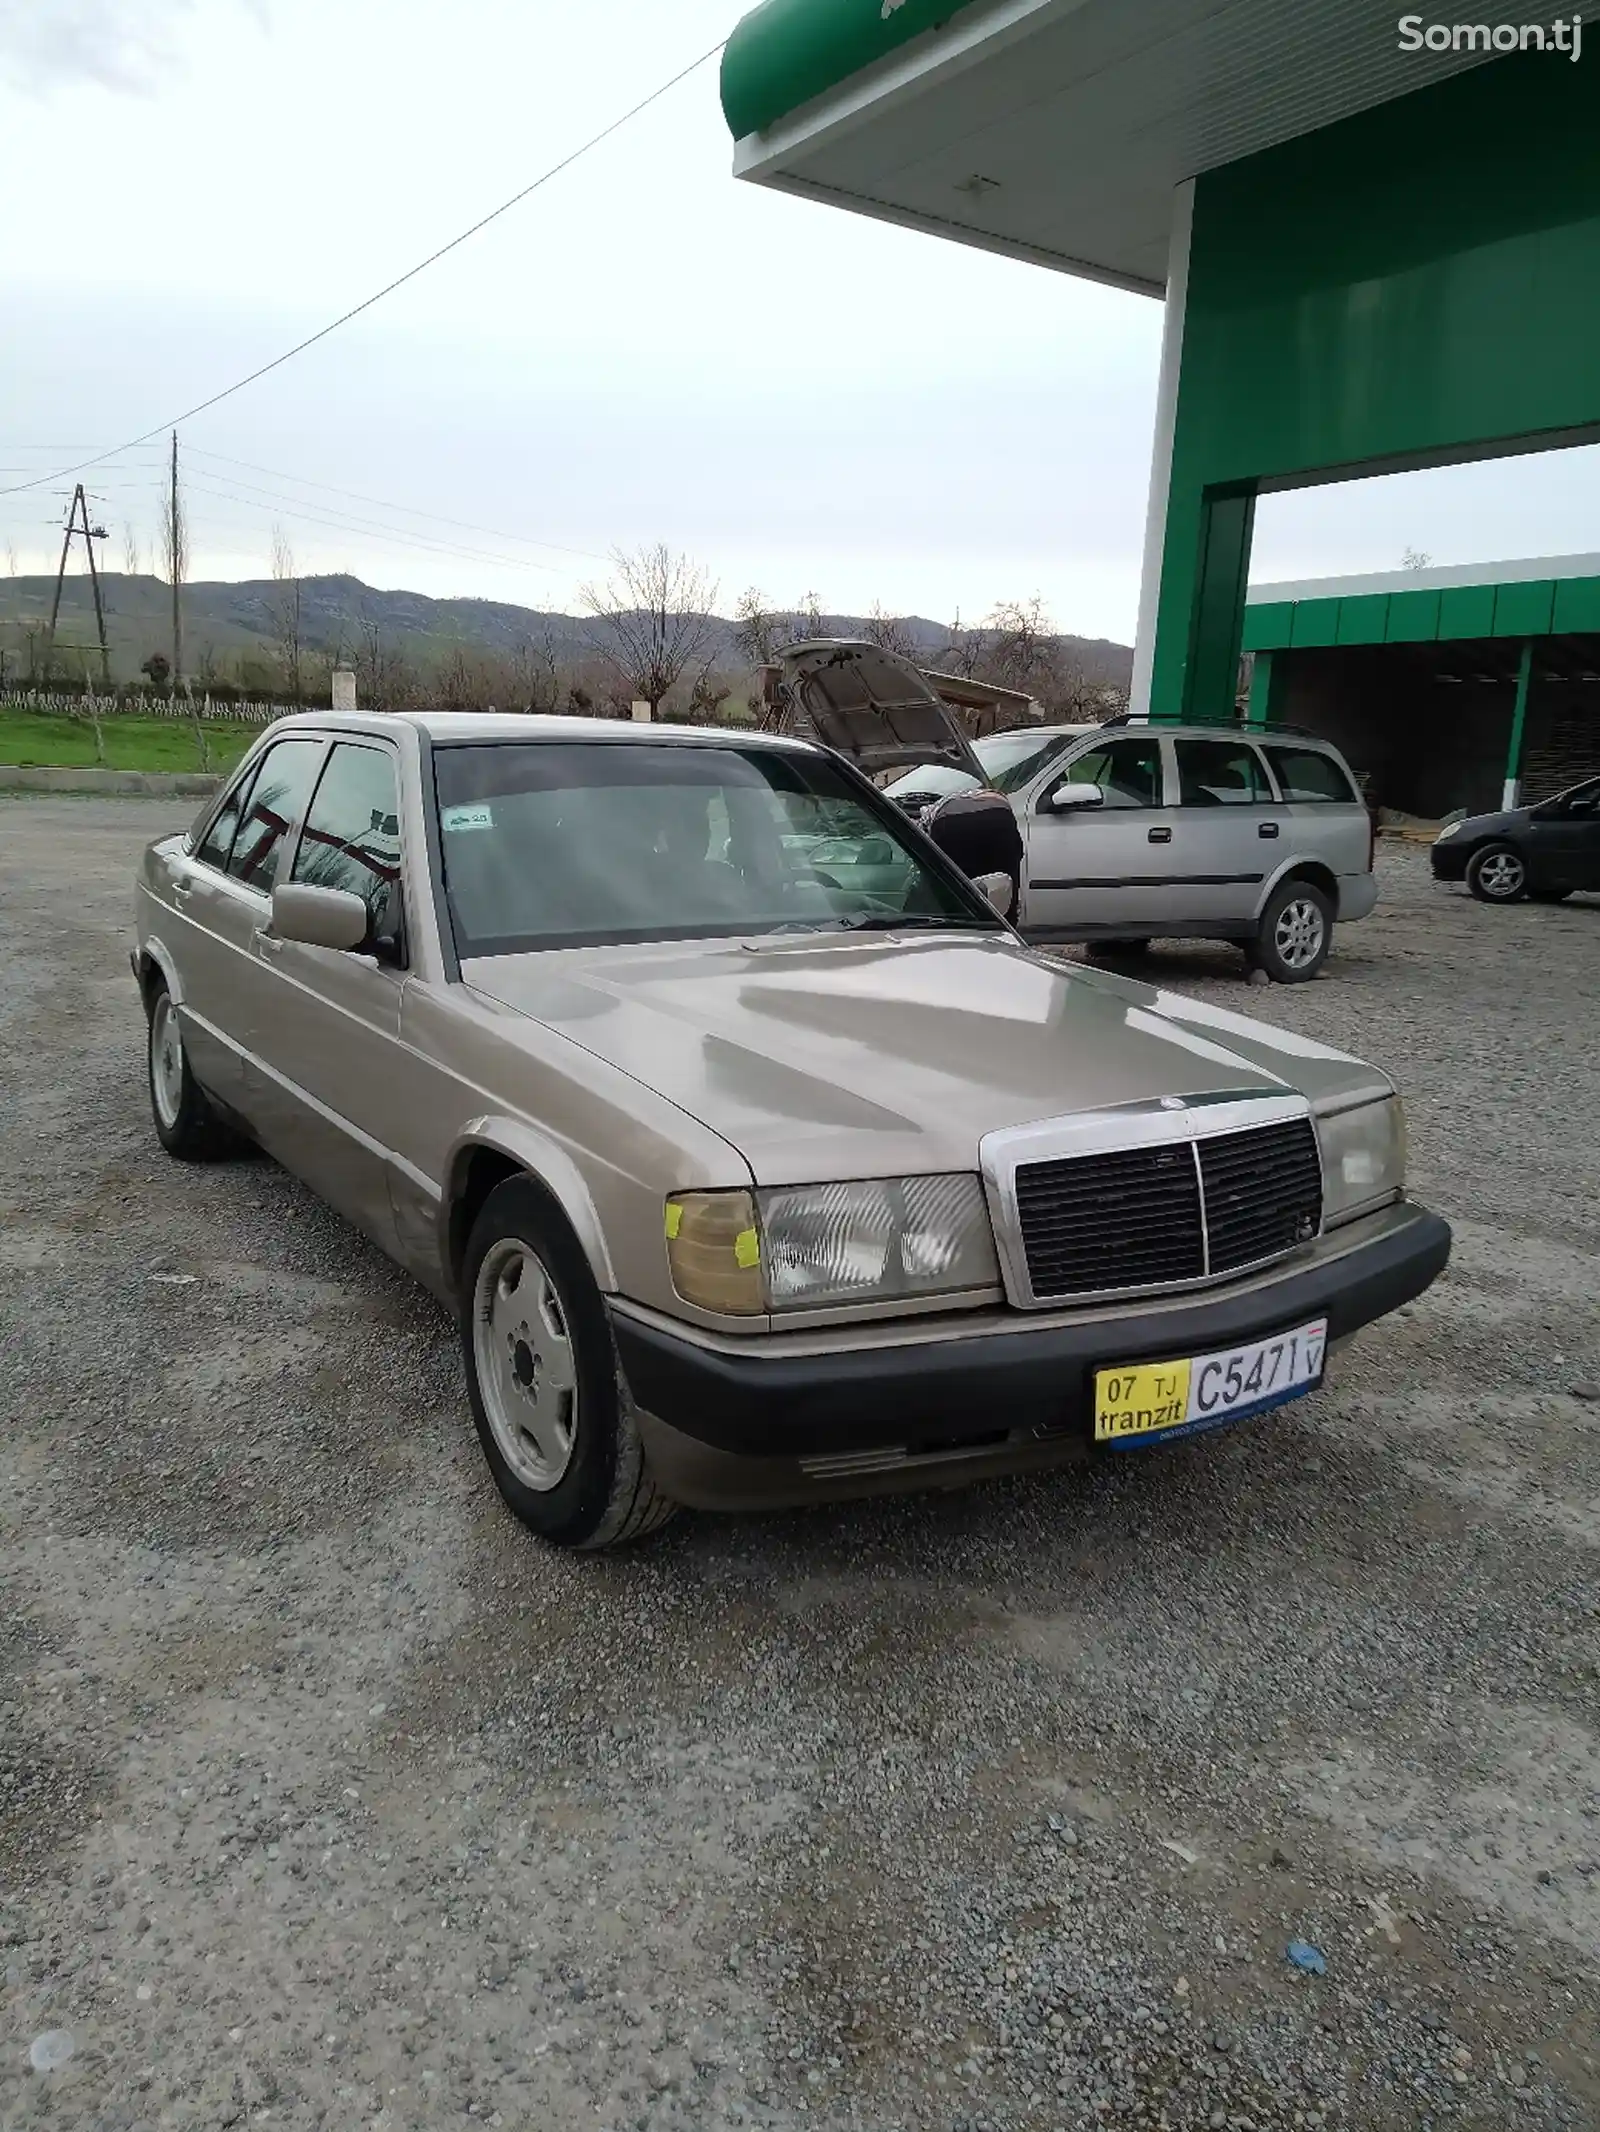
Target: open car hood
{"x": 871, "y": 705}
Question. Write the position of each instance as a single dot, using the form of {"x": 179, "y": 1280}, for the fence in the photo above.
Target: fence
{"x": 75, "y": 704}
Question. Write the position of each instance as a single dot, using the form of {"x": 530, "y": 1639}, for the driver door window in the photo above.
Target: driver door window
{"x": 351, "y": 839}
{"x": 1128, "y": 772}
{"x": 277, "y": 801}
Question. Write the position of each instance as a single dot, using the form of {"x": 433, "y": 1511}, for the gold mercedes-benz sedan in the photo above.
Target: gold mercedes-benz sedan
{"x": 761, "y": 1159}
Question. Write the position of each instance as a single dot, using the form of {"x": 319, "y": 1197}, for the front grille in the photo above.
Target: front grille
{"x": 1263, "y": 1192}
{"x": 1126, "y": 1220}
{"x": 1155, "y": 1217}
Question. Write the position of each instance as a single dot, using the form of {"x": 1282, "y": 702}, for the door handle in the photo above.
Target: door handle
{"x": 1266, "y": 829}
{"x": 268, "y": 944}
{"x": 1161, "y": 836}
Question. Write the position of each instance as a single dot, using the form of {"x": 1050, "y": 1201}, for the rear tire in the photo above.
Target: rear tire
{"x": 547, "y": 1395}
{"x": 1496, "y": 874}
{"x": 1295, "y": 934}
{"x": 186, "y": 1125}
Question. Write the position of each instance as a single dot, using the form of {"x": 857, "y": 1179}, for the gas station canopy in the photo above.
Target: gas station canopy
{"x": 1051, "y": 130}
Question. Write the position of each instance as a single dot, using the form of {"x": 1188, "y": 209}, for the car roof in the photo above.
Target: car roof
{"x": 528, "y": 726}
{"x": 1222, "y": 729}
{"x": 1038, "y": 732}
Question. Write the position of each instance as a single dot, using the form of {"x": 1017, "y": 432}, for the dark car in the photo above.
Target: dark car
{"x": 1543, "y": 852}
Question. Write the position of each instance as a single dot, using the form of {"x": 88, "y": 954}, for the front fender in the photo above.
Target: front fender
{"x": 547, "y": 1161}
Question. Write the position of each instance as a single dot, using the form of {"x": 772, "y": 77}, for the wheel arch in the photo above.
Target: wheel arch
{"x": 1313, "y": 871}
{"x": 486, "y": 1153}
{"x": 156, "y": 960}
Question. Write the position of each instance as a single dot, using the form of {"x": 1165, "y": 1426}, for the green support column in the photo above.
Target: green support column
{"x": 1202, "y": 605}
{"x": 1519, "y": 721}
{"x": 1266, "y": 688}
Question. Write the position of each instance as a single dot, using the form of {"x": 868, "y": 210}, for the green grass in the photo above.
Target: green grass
{"x": 29, "y": 740}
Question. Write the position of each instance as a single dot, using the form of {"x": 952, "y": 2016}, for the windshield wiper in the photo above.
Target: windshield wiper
{"x": 888, "y": 922}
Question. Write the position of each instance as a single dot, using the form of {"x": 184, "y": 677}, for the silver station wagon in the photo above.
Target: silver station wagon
{"x": 761, "y": 1159}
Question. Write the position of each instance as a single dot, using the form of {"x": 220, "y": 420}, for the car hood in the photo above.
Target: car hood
{"x": 1492, "y": 824}
{"x": 849, "y": 1057}
{"x": 870, "y": 705}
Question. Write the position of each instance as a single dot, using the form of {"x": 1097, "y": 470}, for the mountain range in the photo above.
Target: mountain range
{"x": 232, "y": 627}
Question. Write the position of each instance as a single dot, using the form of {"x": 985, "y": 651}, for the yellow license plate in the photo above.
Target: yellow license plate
{"x": 1148, "y": 1399}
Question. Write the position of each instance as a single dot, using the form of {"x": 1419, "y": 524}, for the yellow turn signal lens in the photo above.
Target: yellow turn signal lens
{"x": 714, "y": 1251}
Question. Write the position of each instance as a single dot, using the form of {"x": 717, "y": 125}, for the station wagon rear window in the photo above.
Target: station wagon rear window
{"x": 1307, "y": 775}
{"x": 550, "y": 844}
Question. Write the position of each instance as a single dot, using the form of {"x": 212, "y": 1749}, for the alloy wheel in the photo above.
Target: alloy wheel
{"x": 1299, "y": 933}
{"x": 166, "y": 1061}
{"x": 1502, "y": 874}
{"x": 526, "y": 1367}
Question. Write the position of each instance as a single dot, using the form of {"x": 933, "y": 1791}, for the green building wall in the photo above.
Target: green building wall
{"x": 1417, "y": 285}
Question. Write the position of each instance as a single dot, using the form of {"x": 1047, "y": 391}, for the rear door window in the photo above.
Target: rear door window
{"x": 1307, "y": 777}
{"x": 277, "y": 801}
{"x": 1128, "y": 772}
{"x": 1221, "y": 773}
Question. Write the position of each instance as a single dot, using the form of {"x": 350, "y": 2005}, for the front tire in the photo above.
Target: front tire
{"x": 186, "y": 1125}
{"x": 546, "y": 1391}
{"x": 1295, "y": 934}
{"x": 1496, "y": 874}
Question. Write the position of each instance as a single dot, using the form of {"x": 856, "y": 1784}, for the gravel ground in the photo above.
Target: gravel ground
{"x": 328, "y": 1798}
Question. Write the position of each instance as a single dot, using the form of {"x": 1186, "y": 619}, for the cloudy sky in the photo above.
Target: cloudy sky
{"x": 644, "y": 350}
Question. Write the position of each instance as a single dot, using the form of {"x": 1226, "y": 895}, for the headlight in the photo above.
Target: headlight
{"x": 1450, "y": 829}
{"x": 886, "y": 1240}
{"x": 1363, "y": 1159}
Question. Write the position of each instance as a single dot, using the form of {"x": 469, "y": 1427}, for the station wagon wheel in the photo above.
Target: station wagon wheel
{"x": 186, "y": 1125}
{"x": 527, "y": 1371}
{"x": 1295, "y": 933}
{"x": 1496, "y": 874}
{"x": 552, "y": 1412}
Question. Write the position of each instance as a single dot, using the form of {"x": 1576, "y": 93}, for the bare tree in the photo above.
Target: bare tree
{"x": 286, "y": 611}
{"x": 11, "y": 558}
{"x": 889, "y": 633}
{"x": 655, "y": 620}
{"x": 759, "y": 630}
{"x": 537, "y": 682}
{"x": 132, "y": 555}
{"x": 384, "y": 679}
{"x": 1415, "y": 559}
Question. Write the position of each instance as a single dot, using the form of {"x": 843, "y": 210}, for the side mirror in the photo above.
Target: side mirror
{"x": 1000, "y": 889}
{"x": 1066, "y": 797}
{"x": 319, "y": 917}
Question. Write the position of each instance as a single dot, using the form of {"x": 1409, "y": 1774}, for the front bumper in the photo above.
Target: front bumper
{"x": 744, "y": 1424}
{"x": 1449, "y": 859}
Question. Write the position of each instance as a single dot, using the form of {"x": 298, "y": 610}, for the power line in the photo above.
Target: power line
{"x": 126, "y": 480}
{"x": 388, "y": 289}
{"x": 275, "y": 506}
{"x": 408, "y": 510}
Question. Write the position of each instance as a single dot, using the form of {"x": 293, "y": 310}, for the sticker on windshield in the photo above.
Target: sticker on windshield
{"x": 479, "y": 817}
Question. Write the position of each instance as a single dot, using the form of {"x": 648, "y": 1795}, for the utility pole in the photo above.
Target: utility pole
{"x": 79, "y": 528}
{"x": 176, "y": 557}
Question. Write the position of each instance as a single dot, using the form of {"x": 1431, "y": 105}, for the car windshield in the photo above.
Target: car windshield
{"x": 1012, "y": 760}
{"x": 551, "y": 844}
